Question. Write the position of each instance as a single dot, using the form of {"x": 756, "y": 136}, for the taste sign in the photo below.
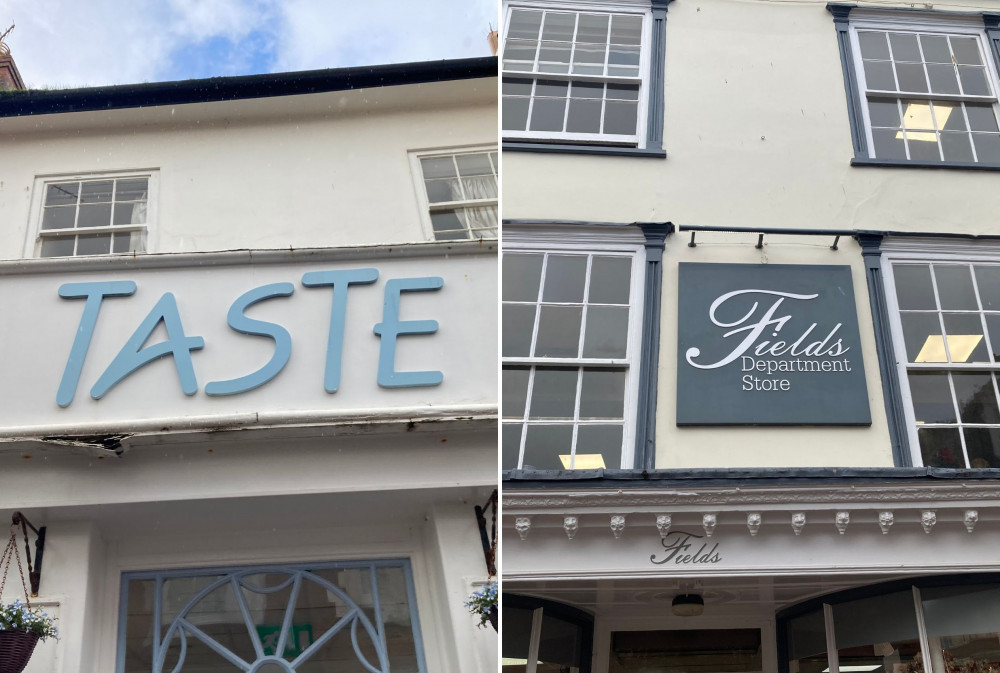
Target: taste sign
{"x": 769, "y": 345}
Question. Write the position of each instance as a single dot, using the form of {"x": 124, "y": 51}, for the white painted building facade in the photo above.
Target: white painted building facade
{"x": 749, "y": 390}
{"x": 282, "y": 278}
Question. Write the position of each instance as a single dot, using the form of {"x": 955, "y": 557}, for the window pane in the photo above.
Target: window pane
{"x": 440, "y": 191}
{"x": 879, "y": 77}
{"x": 943, "y": 78}
{"x": 447, "y": 226}
{"x": 547, "y": 114}
{"x": 602, "y": 394}
{"x": 981, "y": 117}
{"x": 932, "y": 402}
{"x": 954, "y": 284}
{"x": 131, "y": 190}
{"x": 59, "y": 217}
{"x": 965, "y": 338}
{"x": 559, "y": 646}
{"x": 474, "y": 164}
{"x": 589, "y": 55}
{"x": 437, "y": 167}
{"x": 966, "y": 50}
{"x": 977, "y": 401}
{"x": 521, "y": 276}
{"x": 922, "y": 334}
{"x": 558, "y": 26}
{"x": 626, "y": 30}
{"x": 917, "y": 116}
{"x": 988, "y": 280}
{"x": 940, "y": 447}
{"x": 61, "y": 246}
{"x": 565, "y": 276}
{"x": 130, "y": 213}
{"x": 62, "y": 194}
{"x": 598, "y": 446}
{"x": 983, "y": 447}
{"x": 515, "y": 114}
{"x": 554, "y": 56}
{"x": 807, "y": 642}
{"x": 973, "y": 80}
{"x": 96, "y": 192}
{"x": 876, "y": 632}
{"x": 607, "y": 332}
{"x": 987, "y": 147}
{"x": 516, "y": 636}
{"x": 515, "y": 391}
{"x": 622, "y": 56}
{"x": 888, "y": 144}
{"x": 873, "y": 45}
{"x": 584, "y": 116}
{"x": 558, "y": 332}
{"x": 518, "y": 321}
{"x": 963, "y": 624}
{"x": 956, "y": 147}
{"x": 923, "y": 146}
{"x": 524, "y": 24}
{"x": 590, "y": 90}
{"x": 592, "y": 28}
{"x": 93, "y": 244}
{"x": 517, "y": 87}
{"x": 610, "y": 278}
{"x": 949, "y": 116}
{"x": 904, "y": 47}
{"x": 913, "y": 286}
{"x": 510, "y": 453}
{"x": 935, "y": 49}
{"x": 126, "y": 242}
{"x": 96, "y": 215}
{"x": 553, "y": 395}
{"x": 885, "y": 114}
{"x": 544, "y": 444}
{"x": 623, "y": 91}
{"x": 911, "y": 77}
{"x": 620, "y": 118}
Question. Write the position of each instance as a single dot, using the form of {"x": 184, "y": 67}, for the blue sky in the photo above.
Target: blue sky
{"x": 71, "y": 43}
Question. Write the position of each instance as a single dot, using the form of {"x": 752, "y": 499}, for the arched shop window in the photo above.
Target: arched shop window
{"x": 353, "y": 617}
{"x": 897, "y": 627}
{"x": 542, "y": 636}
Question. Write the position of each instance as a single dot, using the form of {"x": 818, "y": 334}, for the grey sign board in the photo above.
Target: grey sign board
{"x": 769, "y": 344}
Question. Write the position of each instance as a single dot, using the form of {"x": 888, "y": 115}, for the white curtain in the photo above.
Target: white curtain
{"x": 482, "y": 220}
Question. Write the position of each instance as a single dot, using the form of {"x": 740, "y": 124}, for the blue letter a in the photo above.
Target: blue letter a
{"x": 132, "y": 356}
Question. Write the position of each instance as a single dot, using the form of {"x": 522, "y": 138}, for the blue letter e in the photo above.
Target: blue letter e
{"x": 391, "y": 327}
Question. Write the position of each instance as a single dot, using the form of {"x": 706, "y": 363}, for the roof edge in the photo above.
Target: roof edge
{"x": 217, "y": 89}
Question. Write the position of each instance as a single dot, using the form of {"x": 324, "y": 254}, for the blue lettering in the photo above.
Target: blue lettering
{"x": 340, "y": 281}
{"x": 391, "y": 327}
{"x": 132, "y": 356}
{"x": 241, "y": 323}
{"x": 94, "y": 294}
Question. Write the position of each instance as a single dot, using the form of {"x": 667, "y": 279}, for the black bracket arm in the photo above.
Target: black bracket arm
{"x": 34, "y": 570}
{"x": 489, "y": 540}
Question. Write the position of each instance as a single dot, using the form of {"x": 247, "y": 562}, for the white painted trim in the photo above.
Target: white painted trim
{"x": 33, "y": 237}
{"x": 832, "y": 654}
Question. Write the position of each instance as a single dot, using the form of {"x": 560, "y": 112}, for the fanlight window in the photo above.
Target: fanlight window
{"x": 278, "y": 619}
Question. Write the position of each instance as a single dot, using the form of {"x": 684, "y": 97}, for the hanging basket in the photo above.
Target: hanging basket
{"x": 494, "y": 619}
{"x": 16, "y": 648}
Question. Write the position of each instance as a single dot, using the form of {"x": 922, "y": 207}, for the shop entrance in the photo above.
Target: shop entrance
{"x": 686, "y": 651}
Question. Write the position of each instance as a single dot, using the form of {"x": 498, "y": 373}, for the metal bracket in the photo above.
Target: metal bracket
{"x": 489, "y": 540}
{"x": 34, "y": 571}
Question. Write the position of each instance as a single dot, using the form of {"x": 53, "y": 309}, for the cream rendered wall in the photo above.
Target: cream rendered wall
{"x": 300, "y": 171}
{"x": 757, "y": 135}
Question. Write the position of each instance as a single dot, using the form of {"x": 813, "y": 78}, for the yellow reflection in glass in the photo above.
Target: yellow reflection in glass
{"x": 960, "y": 345}
{"x": 584, "y": 461}
{"x": 918, "y": 116}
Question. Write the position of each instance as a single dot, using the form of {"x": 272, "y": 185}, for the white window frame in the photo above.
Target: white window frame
{"x": 560, "y": 241}
{"x": 964, "y": 26}
{"x": 426, "y": 207}
{"x": 33, "y": 244}
{"x": 636, "y": 8}
{"x": 928, "y": 252}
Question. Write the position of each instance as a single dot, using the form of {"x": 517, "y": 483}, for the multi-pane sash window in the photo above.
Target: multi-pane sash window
{"x": 566, "y": 351}
{"x": 571, "y": 75}
{"x": 94, "y": 217}
{"x": 949, "y": 331}
{"x": 461, "y": 192}
{"x": 928, "y": 96}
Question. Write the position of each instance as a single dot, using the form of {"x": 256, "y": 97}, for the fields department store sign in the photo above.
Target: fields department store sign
{"x": 773, "y": 344}
{"x": 281, "y": 338}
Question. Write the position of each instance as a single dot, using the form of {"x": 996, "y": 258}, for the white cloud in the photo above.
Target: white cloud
{"x": 64, "y": 43}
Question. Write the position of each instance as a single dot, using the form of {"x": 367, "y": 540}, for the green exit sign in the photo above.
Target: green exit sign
{"x": 298, "y": 640}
